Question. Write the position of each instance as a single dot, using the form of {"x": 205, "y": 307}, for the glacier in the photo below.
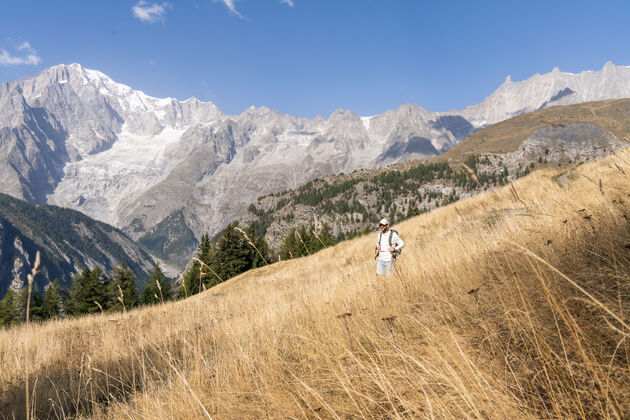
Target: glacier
{"x": 166, "y": 170}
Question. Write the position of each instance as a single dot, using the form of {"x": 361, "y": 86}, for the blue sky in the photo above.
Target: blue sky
{"x": 309, "y": 57}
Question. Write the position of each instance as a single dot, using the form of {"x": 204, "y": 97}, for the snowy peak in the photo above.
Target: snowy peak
{"x": 165, "y": 170}
{"x": 145, "y": 114}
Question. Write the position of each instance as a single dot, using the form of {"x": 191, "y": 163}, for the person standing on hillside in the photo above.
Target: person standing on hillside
{"x": 388, "y": 247}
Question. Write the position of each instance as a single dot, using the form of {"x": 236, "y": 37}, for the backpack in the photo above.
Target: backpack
{"x": 396, "y": 252}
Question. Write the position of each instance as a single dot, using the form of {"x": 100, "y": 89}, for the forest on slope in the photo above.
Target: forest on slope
{"x": 509, "y": 304}
{"x": 555, "y": 137}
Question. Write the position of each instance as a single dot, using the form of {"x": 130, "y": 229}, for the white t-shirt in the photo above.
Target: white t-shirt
{"x": 397, "y": 243}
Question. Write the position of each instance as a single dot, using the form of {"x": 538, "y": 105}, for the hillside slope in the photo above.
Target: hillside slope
{"x": 165, "y": 170}
{"x": 510, "y": 304}
{"x": 68, "y": 241}
{"x": 558, "y": 137}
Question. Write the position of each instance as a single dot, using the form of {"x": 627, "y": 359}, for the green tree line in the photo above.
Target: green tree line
{"x": 92, "y": 291}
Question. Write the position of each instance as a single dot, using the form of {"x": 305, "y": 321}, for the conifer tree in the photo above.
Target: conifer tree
{"x": 413, "y": 211}
{"x": 88, "y": 288}
{"x": 122, "y": 279}
{"x": 205, "y": 248}
{"x": 53, "y": 301}
{"x": 8, "y": 309}
{"x": 289, "y": 246}
{"x": 20, "y": 303}
{"x": 36, "y": 307}
{"x": 261, "y": 255}
{"x": 36, "y": 313}
{"x": 190, "y": 283}
{"x": 232, "y": 255}
{"x": 326, "y": 235}
{"x": 157, "y": 289}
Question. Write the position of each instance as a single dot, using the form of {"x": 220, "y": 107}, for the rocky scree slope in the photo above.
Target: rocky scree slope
{"x": 558, "y": 137}
{"x": 165, "y": 170}
{"x": 68, "y": 241}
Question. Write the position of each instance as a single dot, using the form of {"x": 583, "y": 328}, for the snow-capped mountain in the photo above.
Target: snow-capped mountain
{"x": 166, "y": 170}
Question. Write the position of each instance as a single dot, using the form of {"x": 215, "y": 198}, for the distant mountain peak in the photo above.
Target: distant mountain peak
{"x": 75, "y": 137}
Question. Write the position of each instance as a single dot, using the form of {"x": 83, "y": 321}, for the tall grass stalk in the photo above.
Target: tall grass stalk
{"x": 505, "y": 305}
{"x": 31, "y": 278}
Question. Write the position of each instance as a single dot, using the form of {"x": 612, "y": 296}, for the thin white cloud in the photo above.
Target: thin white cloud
{"x": 231, "y": 5}
{"x": 6, "y": 59}
{"x": 25, "y": 46}
{"x": 150, "y": 12}
{"x": 26, "y": 55}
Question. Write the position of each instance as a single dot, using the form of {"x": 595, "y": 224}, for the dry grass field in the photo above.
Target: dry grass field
{"x": 512, "y": 304}
{"x": 612, "y": 115}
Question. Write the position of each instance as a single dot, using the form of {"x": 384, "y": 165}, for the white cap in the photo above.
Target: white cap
{"x": 383, "y": 222}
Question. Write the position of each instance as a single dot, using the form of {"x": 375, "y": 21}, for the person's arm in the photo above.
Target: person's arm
{"x": 399, "y": 243}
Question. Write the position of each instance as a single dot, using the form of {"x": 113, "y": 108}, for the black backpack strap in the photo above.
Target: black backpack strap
{"x": 391, "y": 233}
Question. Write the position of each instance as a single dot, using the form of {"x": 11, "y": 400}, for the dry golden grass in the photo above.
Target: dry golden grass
{"x": 612, "y": 115}
{"x": 487, "y": 317}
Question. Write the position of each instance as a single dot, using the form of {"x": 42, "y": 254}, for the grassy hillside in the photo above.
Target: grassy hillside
{"x": 510, "y": 304}
{"x": 612, "y": 115}
{"x": 556, "y": 137}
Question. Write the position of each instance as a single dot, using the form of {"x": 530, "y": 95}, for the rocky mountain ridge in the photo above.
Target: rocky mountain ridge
{"x": 166, "y": 170}
{"x": 558, "y": 137}
{"x": 68, "y": 241}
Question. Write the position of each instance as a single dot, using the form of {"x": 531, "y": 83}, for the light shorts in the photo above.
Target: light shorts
{"x": 384, "y": 267}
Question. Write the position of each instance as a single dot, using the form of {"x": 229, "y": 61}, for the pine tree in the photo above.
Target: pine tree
{"x": 37, "y": 307}
{"x": 190, "y": 283}
{"x": 53, "y": 306}
{"x": 262, "y": 256}
{"x": 88, "y": 291}
{"x": 232, "y": 255}
{"x": 205, "y": 247}
{"x": 20, "y": 303}
{"x": 157, "y": 289}
{"x": 122, "y": 280}
{"x": 8, "y": 310}
{"x": 413, "y": 211}
{"x": 289, "y": 246}
{"x": 326, "y": 235}
{"x": 301, "y": 244}
{"x": 36, "y": 312}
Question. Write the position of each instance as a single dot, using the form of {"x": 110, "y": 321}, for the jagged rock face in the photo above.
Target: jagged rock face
{"x": 74, "y": 137}
{"x": 555, "y": 88}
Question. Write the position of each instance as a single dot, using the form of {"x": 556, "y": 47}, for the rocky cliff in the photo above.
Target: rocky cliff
{"x": 165, "y": 170}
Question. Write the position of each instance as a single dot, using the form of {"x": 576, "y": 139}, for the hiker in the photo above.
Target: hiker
{"x": 388, "y": 248}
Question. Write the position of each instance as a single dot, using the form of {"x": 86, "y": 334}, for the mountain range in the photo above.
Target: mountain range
{"x": 165, "y": 170}
{"x": 556, "y": 137}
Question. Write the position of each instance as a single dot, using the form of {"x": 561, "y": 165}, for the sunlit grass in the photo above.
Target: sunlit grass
{"x": 511, "y": 304}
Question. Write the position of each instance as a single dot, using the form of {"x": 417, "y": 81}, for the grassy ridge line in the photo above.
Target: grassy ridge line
{"x": 508, "y": 135}
{"x": 350, "y": 203}
{"x": 470, "y": 328}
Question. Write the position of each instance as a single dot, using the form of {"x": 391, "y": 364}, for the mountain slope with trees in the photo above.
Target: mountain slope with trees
{"x": 68, "y": 241}
{"x": 511, "y": 304}
{"x": 165, "y": 170}
{"x": 555, "y": 137}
